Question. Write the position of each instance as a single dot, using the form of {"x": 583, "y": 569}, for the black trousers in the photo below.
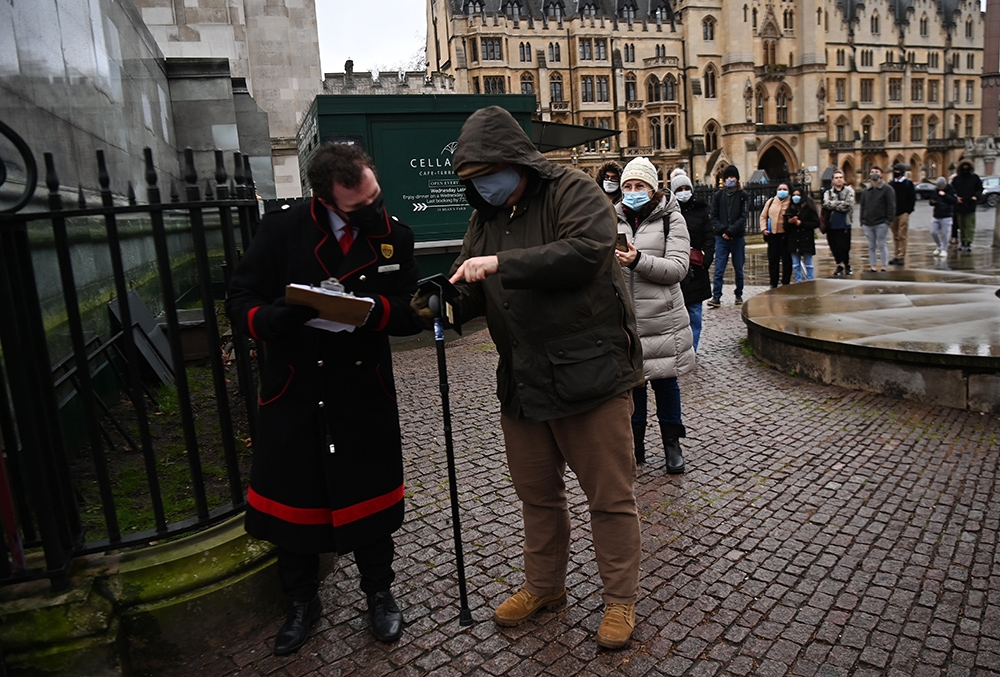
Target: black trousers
{"x": 778, "y": 257}
{"x": 299, "y": 571}
{"x": 840, "y": 245}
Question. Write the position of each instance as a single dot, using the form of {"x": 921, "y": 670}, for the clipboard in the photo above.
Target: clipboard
{"x": 332, "y": 306}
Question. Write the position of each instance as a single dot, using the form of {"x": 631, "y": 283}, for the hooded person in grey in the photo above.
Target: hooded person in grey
{"x": 538, "y": 261}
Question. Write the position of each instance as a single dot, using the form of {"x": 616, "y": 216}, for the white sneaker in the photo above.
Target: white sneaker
{"x": 937, "y": 252}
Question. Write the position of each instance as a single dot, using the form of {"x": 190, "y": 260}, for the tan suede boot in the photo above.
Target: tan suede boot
{"x": 617, "y": 626}
{"x": 522, "y": 605}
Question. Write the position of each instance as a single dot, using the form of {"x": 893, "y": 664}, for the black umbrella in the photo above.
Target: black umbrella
{"x": 441, "y": 291}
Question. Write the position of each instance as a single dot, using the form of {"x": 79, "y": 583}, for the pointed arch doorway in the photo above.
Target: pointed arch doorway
{"x": 776, "y": 163}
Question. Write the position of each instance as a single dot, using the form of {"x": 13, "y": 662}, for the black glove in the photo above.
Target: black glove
{"x": 419, "y": 304}
{"x": 280, "y": 319}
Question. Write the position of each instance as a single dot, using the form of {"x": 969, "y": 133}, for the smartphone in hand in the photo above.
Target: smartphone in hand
{"x": 621, "y": 244}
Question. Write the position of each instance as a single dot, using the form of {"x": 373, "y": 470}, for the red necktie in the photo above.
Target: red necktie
{"x": 346, "y": 238}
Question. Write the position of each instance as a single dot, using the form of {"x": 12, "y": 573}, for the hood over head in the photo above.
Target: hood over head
{"x": 491, "y": 136}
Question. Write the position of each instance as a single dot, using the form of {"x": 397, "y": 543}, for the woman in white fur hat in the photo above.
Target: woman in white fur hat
{"x": 654, "y": 264}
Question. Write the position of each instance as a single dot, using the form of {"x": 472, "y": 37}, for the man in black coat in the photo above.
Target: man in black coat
{"x": 969, "y": 188}
{"x": 327, "y": 473}
{"x": 906, "y": 200}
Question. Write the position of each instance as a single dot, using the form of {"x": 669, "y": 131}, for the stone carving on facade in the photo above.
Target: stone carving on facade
{"x": 748, "y": 100}
{"x": 821, "y": 101}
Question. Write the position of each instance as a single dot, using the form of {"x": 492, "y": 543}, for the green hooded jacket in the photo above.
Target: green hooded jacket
{"x": 558, "y": 309}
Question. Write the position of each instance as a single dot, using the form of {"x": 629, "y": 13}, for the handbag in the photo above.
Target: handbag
{"x": 824, "y": 219}
{"x": 697, "y": 258}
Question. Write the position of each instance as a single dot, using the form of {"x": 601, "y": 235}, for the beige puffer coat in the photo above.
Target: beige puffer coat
{"x": 655, "y": 289}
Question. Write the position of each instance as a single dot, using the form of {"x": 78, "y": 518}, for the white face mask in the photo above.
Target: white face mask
{"x": 684, "y": 195}
{"x": 611, "y": 186}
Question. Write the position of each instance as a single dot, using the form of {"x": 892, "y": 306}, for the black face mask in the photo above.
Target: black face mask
{"x": 368, "y": 217}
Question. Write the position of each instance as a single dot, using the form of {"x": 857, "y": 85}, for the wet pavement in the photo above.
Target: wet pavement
{"x": 817, "y": 531}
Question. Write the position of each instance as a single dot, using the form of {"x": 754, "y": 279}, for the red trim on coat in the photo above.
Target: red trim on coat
{"x": 326, "y": 236}
{"x": 287, "y": 383}
{"x": 366, "y": 508}
{"x": 287, "y": 513}
{"x": 385, "y": 314}
{"x": 253, "y": 311}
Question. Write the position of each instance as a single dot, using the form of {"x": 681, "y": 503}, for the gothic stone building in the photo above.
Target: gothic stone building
{"x": 790, "y": 87}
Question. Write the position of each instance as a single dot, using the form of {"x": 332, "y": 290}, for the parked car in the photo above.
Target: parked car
{"x": 991, "y": 191}
{"x": 925, "y": 190}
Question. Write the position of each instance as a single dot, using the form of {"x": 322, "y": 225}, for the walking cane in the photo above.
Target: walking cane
{"x": 441, "y": 291}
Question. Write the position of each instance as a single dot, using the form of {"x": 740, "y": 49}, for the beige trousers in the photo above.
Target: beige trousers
{"x": 597, "y": 446}
{"x": 900, "y": 228}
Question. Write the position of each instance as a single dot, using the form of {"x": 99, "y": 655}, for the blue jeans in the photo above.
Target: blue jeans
{"x": 668, "y": 404}
{"x": 694, "y": 312}
{"x": 800, "y": 261}
{"x": 723, "y": 249}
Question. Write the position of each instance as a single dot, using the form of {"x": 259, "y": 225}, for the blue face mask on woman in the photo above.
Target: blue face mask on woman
{"x": 635, "y": 200}
{"x": 796, "y": 199}
{"x": 782, "y": 194}
{"x": 497, "y": 188}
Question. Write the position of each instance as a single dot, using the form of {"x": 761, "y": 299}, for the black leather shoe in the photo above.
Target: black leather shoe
{"x": 295, "y": 631}
{"x": 675, "y": 458}
{"x": 387, "y": 619}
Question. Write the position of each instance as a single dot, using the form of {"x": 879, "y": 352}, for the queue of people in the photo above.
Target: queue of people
{"x": 592, "y": 293}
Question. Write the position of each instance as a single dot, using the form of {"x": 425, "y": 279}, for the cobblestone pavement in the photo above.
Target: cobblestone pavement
{"x": 817, "y": 531}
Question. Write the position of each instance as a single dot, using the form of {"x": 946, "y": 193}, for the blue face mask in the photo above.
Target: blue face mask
{"x": 731, "y": 183}
{"x": 782, "y": 194}
{"x": 497, "y": 188}
{"x": 796, "y": 199}
{"x": 635, "y": 200}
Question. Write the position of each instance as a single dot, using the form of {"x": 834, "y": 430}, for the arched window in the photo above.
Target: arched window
{"x": 843, "y": 128}
{"x": 770, "y": 52}
{"x": 655, "y": 134}
{"x": 555, "y": 87}
{"x": 788, "y": 20}
{"x": 653, "y": 88}
{"x": 819, "y": 16}
{"x": 745, "y": 8}
{"x": 669, "y": 88}
{"x": 760, "y": 96}
{"x": 710, "y": 82}
{"x": 631, "y": 93}
{"x": 867, "y": 125}
{"x": 874, "y": 23}
{"x": 708, "y": 28}
{"x": 923, "y": 26}
{"x": 754, "y": 13}
{"x": 527, "y": 83}
{"x": 670, "y": 132}
{"x": 781, "y": 105}
{"x": 632, "y": 131}
{"x": 711, "y": 137}
{"x": 969, "y": 28}
{"x": 524, "y": 51}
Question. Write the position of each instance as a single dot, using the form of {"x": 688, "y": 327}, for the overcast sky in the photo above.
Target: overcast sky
{"x": 383, "y": 33}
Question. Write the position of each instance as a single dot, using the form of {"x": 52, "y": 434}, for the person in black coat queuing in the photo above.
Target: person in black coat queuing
{"x": 943, "y": 201}
{"x": 906, "y": 201}
{"x": 327, "y": 471}
{"x": 609, "y": 178}
{"x": 801, "y": 222}
{"x": 969, "y": 188}
{"x": 696, "y": 286}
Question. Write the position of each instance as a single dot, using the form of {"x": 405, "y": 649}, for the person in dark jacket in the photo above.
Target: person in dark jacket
{"x": 906, "y": 200}
{"x": 944, "y": 202}
{"x": 878, "y": 207}
{"x": 801, "y": 222}
{"x": 969, "y": 189}
{"x": 327, "y": 472}
{"x": 839, "y": 200}
{"x": 609, "y": 177}
{"x": 729, "y": 221}
{"x": 538, "y": 260}
{"x": 696, "y": 286}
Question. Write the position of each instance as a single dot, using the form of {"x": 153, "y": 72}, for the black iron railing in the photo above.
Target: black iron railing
{"x": 83, "y": 390}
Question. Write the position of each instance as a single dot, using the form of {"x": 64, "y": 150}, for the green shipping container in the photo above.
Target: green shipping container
{"x": 412, "y": 139}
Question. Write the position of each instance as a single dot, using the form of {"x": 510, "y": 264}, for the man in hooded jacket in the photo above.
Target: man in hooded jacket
{"x": 538, "y": 261}
{"x": 968, "y": 188}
